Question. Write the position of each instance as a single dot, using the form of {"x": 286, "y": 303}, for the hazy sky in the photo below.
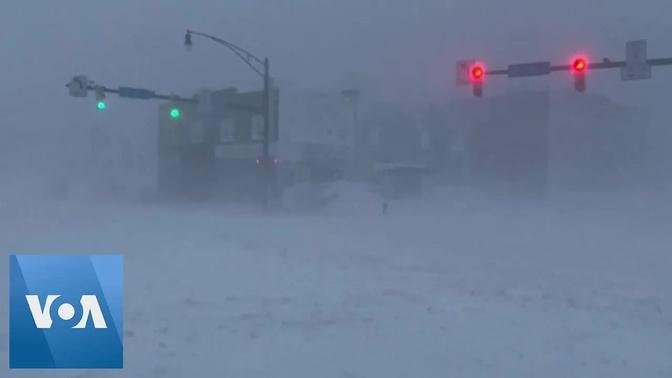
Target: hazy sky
{"x": 403, "y": 50}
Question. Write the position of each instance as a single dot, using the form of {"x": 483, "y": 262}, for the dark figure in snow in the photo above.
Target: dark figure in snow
{"x": 385, "y": 207}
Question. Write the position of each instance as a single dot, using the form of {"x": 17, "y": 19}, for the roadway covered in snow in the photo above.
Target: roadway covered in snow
{"x": 448, "y": 285}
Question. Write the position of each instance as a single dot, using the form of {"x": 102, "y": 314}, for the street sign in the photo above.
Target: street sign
{"x": 529, "y": 69}
{"x": 636, "y": 64}
{"x": 462, "y": 72}
{"x": 79, "y": 86}
{"x": 136, "y": 93}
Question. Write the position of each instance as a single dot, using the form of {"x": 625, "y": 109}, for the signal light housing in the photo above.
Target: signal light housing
{"x": 579, "y": 67}
{"x": 100, "y": 98}
{"x": 477, "y": 75}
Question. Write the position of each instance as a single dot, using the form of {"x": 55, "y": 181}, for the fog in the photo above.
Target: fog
{"x": 394, "y": 50}
{"x": 525, "y": 233}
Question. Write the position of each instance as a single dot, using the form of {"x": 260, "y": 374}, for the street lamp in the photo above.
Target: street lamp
{"x": 261, "y": 67}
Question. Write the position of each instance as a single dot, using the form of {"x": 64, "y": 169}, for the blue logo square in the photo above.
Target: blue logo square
{"x": 66, "y": 312}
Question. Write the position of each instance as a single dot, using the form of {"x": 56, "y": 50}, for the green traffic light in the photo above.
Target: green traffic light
{"x": 175, "y": 113}
{"x": 102, "y": 105}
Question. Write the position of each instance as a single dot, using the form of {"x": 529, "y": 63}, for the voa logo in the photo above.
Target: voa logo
{"x": 66, "y": 311}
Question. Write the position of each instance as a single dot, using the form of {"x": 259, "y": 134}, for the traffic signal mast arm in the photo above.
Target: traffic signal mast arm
{"x": 606, "y": 64}
{"x": 127, "y": 92}
{"x": 146, "y": 94}
{"x": 80, "y": 85}
{"x": 636, "y": 66}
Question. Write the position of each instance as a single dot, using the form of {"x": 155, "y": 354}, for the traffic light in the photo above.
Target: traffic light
{"x": 175, "y": 113}
{"x": 579, "y": 68}
{"x": 100, "y": 98}
{"x": 477, "y": 75}
{"x": 188, "y": 44}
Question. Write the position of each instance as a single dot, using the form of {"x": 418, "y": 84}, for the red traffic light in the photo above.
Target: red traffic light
{"x": 477, "y": 72}
{"x": 477, "y": 75}
{"x": 579, "y": 65}
{"x": 579, "y": 68}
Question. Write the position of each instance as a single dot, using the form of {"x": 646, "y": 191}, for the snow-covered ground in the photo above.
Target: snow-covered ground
{"x": 449, "y": 285}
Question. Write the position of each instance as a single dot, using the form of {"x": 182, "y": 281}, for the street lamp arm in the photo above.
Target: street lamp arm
{"x": 246, "y": 56}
